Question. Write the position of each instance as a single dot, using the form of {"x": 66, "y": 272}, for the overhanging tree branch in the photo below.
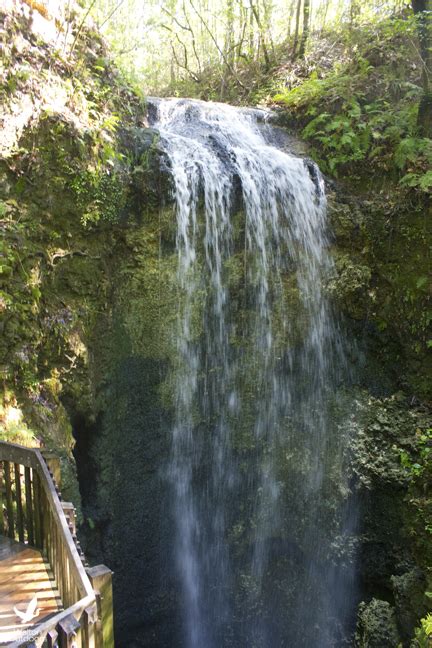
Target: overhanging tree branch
{"x": 185, "y": 65}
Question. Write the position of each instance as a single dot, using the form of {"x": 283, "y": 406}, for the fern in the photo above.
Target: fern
{"x": 346, "y": 125}
{"x": 423, "y": 634}
{"x": 425, "y": 182}
{"x": 407, "y": 151}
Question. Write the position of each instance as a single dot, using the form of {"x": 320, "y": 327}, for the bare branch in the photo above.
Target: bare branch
{"x": 110, "y": 15}
{"x": 177, "y": 22}
{"x": 193, "y": 38}
{"x": 208, "y": 30}
{"x": 185, "y": 65}
{"x": 81, "y": 25}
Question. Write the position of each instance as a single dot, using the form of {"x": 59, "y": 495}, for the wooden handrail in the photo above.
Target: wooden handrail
{"x": 33, "y": 513}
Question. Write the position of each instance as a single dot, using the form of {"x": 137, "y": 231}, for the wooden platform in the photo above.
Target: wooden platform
{"x": 23, "y": 575}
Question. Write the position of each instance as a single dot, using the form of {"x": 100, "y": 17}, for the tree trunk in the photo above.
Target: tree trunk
{"x": 290, "y": 17}
{"x": 261, "y": 35}
{"x": 305, "y": 34}
{"x": 423, "y": 12}
{"x": 229, "y": 33}
{"x": 297, "y": 28}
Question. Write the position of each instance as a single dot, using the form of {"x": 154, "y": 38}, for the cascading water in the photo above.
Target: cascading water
{"x": 258, "y": 447}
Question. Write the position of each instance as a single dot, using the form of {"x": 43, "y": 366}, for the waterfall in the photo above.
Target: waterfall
{"x": 260, "y": 500}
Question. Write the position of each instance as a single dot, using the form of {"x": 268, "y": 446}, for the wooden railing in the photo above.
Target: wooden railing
{"x": 31, "y": 512}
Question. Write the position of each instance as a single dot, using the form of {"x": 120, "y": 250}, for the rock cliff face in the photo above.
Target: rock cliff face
{"x": 89, "y": 297}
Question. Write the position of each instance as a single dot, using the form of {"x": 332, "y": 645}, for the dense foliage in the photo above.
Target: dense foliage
{"x": 360, "y": 106}
{"x": 174, "y": 46}
{"x": 350, "y": 74}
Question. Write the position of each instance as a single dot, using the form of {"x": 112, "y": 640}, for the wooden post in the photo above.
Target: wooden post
{"x": 89, "y": 621}
{"x": 9, "y": 502}
{"x": 98, "y": 622}
{"x": 101, "y": 580}
{"x": 51, "y": 639}
{"x": 29, "y": 506}
{"x": 19, "y": 504}
{"x": 67, "y": 630}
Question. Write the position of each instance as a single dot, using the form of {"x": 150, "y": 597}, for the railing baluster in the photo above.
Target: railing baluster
{"x": 9, "y": 500}
{"x": 53, "y": 462}
{"x": 2, "y": 517}
{"x": 19, "y": 504}
{"x": 37, "y": 510}
{"x": 47, "y": 529}
{"x": 63, "y": 576}
{"x": 43, "y": 502}
{"x": 29, "y": 506}
{"x": 59, "y": 576}
{"x": 66, "y": 577}
{"x": 51, "y": 523}
{"x": 69, "y": 511}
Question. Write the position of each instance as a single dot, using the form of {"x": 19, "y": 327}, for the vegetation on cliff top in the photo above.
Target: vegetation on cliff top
{"x": 355, "y": 77}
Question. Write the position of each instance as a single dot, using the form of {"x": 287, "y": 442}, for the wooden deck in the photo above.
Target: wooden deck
{"x": 23, "y": 575}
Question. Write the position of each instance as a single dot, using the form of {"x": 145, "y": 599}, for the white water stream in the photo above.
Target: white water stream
{"x": 259, "y": 354}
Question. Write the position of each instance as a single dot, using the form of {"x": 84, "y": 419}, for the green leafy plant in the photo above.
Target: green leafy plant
{"x": 423, "y": 461}
{"x": 423, "y": 634}
{"x": 99, "y": 195}
{"x": 418, "y": 466}
{"x": 361, "y": 114}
